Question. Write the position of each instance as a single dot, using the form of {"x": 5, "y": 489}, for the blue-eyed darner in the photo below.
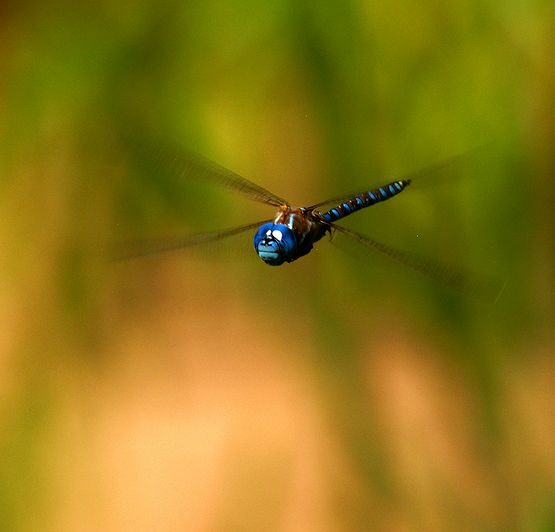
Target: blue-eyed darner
{"x": 292, "y": 232}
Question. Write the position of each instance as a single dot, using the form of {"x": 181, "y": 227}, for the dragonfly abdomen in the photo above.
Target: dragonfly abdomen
{"x": 366, "y": 199}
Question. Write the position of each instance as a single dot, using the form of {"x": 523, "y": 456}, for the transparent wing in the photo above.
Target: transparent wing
{"x": 150, "y": 247}
{"x": 466, "y": 282}
{"x": 452, "y": 165}
{"x": 190, "y": 165}
{"x": 185, "y": 164}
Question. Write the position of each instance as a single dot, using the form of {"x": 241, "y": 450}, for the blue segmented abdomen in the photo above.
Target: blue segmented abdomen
{"x": 366, "y": 199}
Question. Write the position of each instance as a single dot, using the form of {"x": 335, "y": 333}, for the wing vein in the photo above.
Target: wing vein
{"x": 417, "y": 176}
{"x": 467, "y": 282}
{"x": 150, "y": 247}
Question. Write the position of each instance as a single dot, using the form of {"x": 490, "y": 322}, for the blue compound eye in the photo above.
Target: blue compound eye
{"x": 275, "y": 244}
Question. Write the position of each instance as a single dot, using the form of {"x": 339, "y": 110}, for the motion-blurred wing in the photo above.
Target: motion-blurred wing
{"x": 145, "y": 248}
{"x": 466, "y": 282}
{"x": 188, "y": 165}
{"x": 440, "y": 170}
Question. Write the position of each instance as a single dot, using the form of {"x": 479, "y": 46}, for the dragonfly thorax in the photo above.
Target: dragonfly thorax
{"x": 275, "y": 243}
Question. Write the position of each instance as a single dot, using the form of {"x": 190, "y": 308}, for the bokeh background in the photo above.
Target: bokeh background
{"x": 208, "y": 392}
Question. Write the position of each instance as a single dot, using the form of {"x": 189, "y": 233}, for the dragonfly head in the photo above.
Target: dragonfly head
{"x": 275, "y": 243}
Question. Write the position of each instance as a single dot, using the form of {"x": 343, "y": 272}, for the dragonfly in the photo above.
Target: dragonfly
{"x": 292, "y": 232}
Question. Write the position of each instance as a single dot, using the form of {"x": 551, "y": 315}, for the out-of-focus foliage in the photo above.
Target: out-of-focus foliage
{"x": 194, "y": 392}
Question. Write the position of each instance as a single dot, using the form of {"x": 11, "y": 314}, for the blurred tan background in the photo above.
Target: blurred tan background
{"x": 209, "y": 392}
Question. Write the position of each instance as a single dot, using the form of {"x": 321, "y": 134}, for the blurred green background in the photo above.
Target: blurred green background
{"x": 336, "y": 393}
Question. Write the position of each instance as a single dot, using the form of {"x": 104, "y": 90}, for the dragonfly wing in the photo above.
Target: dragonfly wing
{"x": 441, "y": 169}
{"x": 188, "y": 165}
{"x": 463, "y": 281}
{"x": 199, "y": 167}
{"x": 151, "y": 247}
